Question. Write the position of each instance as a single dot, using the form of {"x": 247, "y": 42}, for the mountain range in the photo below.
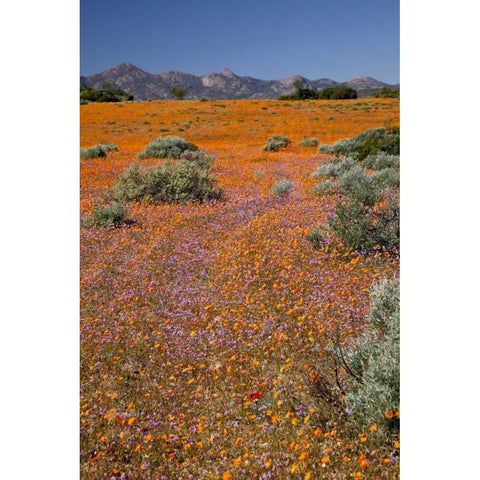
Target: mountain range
{"x": 224, "y": 85}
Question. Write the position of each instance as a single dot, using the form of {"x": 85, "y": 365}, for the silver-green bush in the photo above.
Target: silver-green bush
{"x": 325, "y": 188}
{"x": 199, "y": 157}
{"x": 282, "y": 187}
{"x": 275, "y": 143}
{"x": 357, "y": 184}
{"x": 362, "y": 227}
{"x": 308, "y": 142}
{"x": 97, "y": 151}
{"x": 106, "y": 216}
{"x": 381, "y": 161}
{"x": 374, "y": 359}
{"x": 168, "y": 182}
{"x": 367, "y": 143}
{"x": 386, "y": 178}
{"x": 334, "y": 168}
{"x": 166, "y": 147}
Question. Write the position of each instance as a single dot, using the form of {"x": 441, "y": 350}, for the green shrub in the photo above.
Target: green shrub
{"x": 334, "y": 168}
{"x": 107, "y": 216}
{"x": 275, "y": 143}
{"x": 97, "y": 151}
{"x": 386, "y": 92}
{"x": 108, "y": 94}
{"x": 308, "y": 142}
{"x": 358, "y": 185}
{"x": 166, "y": 147}
{"x": 325, "y": 188}
{"x": 382, "y": 160}
{"x": 386, "y": 178}
{"x": 317, "y": 238}
{"x": 386, "y": 225}
{"x": 302, "y": 92}
{"x": 178, "y": 92}
{"x": 338, "y": 92}
{"x": 374, "y": 360}
{"x": 363, "y": 228}
{"x": 200, "y": 157}
{"x": 132, "y": 184}
{"x": 282, "y": 187}
{"x": 352, "y": 224}
{"x": 367, "y": 143}
{"x": 169, "y": 182}
{"x": 367, "y": 214}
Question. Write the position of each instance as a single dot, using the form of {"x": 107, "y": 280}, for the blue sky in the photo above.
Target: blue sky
{"x": 338, "y": 39}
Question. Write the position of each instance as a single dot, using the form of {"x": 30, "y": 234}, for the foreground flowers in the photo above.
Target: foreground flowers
{"x": 199, "y": 321}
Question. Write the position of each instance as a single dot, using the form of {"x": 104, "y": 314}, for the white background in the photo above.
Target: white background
{"x": 39, "y": 186}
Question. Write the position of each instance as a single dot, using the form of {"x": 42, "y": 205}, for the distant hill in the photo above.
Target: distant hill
{"x": 148, "y": 86}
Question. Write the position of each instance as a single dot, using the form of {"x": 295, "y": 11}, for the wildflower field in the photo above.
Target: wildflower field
{"x": 205, "y": 326}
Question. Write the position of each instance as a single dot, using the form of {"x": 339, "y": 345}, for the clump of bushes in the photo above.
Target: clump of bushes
{"x": 97, "y": 151}
{"x": 364, "y": 219}
{"x": 275, "y": 143}
{"x": 359, "y": 186}
{"x": 325, "y": 188}
{"x": 354, "y": 182}
{"x": 361, "y": 379}
{"x": 367, "y": 214}
{"x": 167, "y": 147}
{"x": 182, "y": 181}
{"x": 113, "y": 215}
{"x": 364, "y": 228}
{"x": 338, "y": 92}
{"x": 178, "y": 92}
{"x": 302, "y": 92}
{"x": 108, "y": 94}
{"x": 334, "y": 168}
{"x": 374, "y": 360}
{"x": 386, "y": 92}
{"x": 199, "y": 157}
{"x": 308, "y": 142}
{"x": 282, "y": 187}
{"x": 386, "y": 178}
{"x": 305, "y": 92}
{"x": 367, "y": 143}
{"x": 382, "y": 160}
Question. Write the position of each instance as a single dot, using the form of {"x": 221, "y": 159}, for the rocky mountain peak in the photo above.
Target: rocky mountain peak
{"x": 227, "y": 73}
{"x": 226, "y": 84}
